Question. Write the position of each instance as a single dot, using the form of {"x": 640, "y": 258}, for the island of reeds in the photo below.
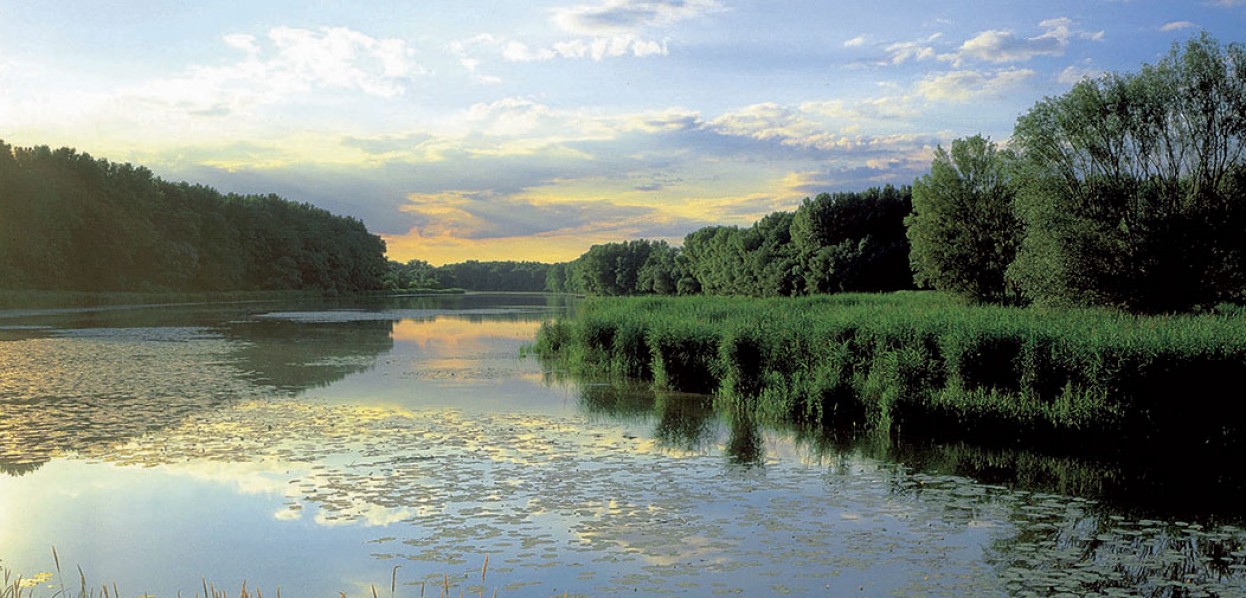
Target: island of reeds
{"x": 928, "y": 362}
{"x": 1086, "y": 277}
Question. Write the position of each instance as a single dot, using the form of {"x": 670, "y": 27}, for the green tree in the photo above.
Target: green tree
{"x": 1131, "y": 187}
{"x": 853, "y": 241}
{"x": 963, "y": 232}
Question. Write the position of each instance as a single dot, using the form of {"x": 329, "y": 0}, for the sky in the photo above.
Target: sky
{"x": 531, "y": 130}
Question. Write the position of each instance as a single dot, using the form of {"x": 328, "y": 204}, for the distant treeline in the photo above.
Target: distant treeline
{"x": 470, "y": 275}
{"x": 71, "y": 222}
{"x": 832, "y": 243}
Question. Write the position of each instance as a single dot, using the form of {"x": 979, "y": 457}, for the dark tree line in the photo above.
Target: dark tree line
{"x": 832, "y": 243}
{"x": 71, "y": 222}
{"x": 470, "y": 275}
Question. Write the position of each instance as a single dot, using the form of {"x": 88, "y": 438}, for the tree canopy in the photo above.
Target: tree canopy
{"x": 1131, "y": 186}
{"x": 963, "y": 229}
{"x": 71, "y": 222}
{"x": 831, "y": 243}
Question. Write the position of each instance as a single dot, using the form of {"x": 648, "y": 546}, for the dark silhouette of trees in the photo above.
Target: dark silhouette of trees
{"x": 832, "y": 243}
{"x": 71, "y": 222}
{"x": 493, "y": 276}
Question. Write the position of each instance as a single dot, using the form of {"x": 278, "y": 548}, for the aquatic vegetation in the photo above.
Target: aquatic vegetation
{"x": 390, "y": 487}
{"x": 925, "y": 360}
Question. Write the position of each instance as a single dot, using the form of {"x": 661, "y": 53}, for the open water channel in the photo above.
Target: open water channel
{"x": 396, "y": 445}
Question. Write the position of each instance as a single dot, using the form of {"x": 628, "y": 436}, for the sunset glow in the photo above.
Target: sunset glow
{"x": 530, "y": 131}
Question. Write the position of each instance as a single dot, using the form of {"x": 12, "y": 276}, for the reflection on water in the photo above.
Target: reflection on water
{"x": 294, "y": 357}
{"x": 1057, "y": 524}
{"x": 85, "y": 389}
{"x": 320, "y": 446}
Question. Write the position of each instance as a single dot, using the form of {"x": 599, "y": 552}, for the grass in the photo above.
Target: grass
{"x": 927, "y": 361}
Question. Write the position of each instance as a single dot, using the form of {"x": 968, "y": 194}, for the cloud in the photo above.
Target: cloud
{"x": 1001, "y": 46}
{"x": 1075, "y": 73}
{"x": 902, "y": 52}
{"x": 488, "y": 226}
{"x": 625, "y": 16}
{"x": 288, "y": 65}
{"x": 597, "y": 49}
{"x": 612, "y": 29}
{"x": 809, "y": 131}
{"x": 856, "y": 42}
{"x": 297, "y": 60}
{"x": 965, "y": 85}
{"x": 484, "y": 214}
{"x": 470, "y": 51}
{"x": 873, "y": 174}
{"x": 1177, "y": 26}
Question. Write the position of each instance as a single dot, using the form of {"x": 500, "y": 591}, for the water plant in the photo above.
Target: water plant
{"x": 927, "y": 361}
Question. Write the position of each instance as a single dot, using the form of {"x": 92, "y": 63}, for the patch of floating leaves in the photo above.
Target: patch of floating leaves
{"x": 559, "y": 497}
{"x": 83, "y": 390}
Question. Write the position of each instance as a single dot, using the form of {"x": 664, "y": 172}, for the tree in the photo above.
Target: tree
{"x": 853, "y": 241}
{"x": 962, "y": 231}
{"x": 1131, "y": 186}
{"x": 71, "y": 222}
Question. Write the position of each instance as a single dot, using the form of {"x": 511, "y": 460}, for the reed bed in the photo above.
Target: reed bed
{"x": 927, "y": 361}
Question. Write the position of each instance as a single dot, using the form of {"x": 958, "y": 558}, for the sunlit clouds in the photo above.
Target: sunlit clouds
{"x": 531, "y": 131}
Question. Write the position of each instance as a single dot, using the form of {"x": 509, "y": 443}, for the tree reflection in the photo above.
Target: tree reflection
{"x": 81, "y": 390}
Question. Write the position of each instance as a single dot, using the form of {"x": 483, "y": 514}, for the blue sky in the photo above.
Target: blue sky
{"x": 532, "y": 130}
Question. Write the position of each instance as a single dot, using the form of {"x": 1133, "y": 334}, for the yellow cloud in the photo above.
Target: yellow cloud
{"x": 560, "y": 246}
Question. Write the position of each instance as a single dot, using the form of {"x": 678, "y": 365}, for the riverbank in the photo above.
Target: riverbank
{"x": 926, "y": 362}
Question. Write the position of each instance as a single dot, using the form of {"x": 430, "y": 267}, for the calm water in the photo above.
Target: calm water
{"x": 317, "y": 447}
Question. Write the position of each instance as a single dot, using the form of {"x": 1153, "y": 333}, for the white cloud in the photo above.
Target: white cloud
{"x": 823, "y": 127}
{"x": 612, "y": 29}
{"x": 965, "y": 85}
{"x": 1000, "y": 46}
{"x": 1073, "y": 74}
{"x": 293, "y": 62}
{"x": 856, "y": 42}
{"x": 901, "y": 52}
{"x": 1177, "y": 26}
{"x": 596, "y": 49}
{"x": 243, "y": 42}
{"x": 625, "y": 16}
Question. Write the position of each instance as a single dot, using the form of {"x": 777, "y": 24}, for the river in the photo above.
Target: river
{"x": 406, "y": 447}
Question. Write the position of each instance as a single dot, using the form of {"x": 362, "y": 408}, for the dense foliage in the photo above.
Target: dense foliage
{"x": 72, "y": 222}
{"x": 963, "y": 229}
{"x": 924, "y": 359}
{"x": 470, "y": 275}
{"x": 1133, "y": 187}
{"x": 831, "y": 243}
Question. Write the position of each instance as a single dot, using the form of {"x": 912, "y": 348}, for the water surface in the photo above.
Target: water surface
{"x": 316, "y": 447}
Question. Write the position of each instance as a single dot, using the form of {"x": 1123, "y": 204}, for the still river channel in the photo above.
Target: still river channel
{"x": 396, "y": 445}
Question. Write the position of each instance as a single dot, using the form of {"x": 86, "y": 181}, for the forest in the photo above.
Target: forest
{"x": 70, "y": 222}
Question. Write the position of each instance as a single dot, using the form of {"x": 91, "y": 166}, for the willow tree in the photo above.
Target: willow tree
{"x": 1132, "y": 186}
{"x": 963, "y": 231}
